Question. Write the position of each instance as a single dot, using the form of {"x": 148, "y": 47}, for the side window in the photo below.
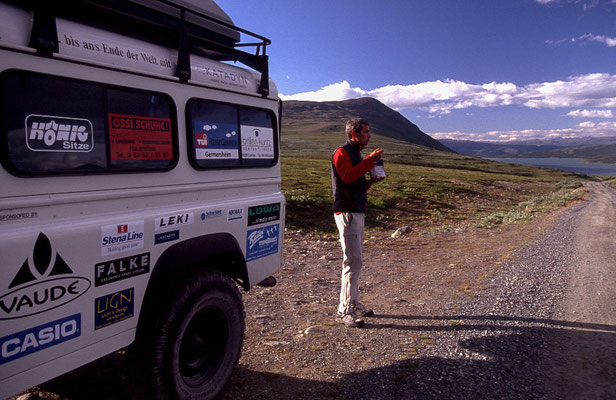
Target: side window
{"x": 55, "y": 125}
{"x": 226, "y": 135}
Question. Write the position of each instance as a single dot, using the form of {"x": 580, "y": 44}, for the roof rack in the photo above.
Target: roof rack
{"x": 176, "y": 24}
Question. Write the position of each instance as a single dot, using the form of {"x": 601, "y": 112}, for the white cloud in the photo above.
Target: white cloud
{"x": 591, "y": 114}
{"x": 589, "y": 37}
{"x": 441, "y": 97}
{"x": 584, "y": 129}
{"x": 335, "y": 91}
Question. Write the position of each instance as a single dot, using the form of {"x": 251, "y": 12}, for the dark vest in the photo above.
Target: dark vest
{"x": 349, "y": 197}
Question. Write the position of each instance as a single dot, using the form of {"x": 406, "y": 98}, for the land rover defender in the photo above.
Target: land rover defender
{"x": 140, "y": 189}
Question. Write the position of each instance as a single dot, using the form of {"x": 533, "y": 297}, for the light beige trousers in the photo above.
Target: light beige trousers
{"x": 351, "y": 230}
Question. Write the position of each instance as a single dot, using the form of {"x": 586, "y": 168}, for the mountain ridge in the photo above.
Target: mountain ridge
{"x": 331, "y": 116}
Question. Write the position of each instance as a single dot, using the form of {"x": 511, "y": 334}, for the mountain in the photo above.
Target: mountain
{"x": 491, "y": 149}
{"x": 605, "y": 153}
{"x": 329, "y": 117}
{"x": 592, "y": 149}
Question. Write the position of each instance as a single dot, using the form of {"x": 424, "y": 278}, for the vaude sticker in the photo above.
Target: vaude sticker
{"x": 166, "y": 237}
{"x": 173, "y": 221}
{"x": 113, "y": 308}
{"x": 261, "y": 242}
{"x": 235, "y": 214}
{"x": 263, "y": 214}
{"x": 40, "y": 337}
{"x": 43, "y": 282}
{"x": 122, "y": 268}
{"x": 52, "y": 133}
{"x": 120, "y": 238}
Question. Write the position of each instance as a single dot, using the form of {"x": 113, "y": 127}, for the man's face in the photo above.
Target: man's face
{"x": 363, "y": 135}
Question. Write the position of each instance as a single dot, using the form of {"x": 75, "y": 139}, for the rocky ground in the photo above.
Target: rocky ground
{"x": 463, "y": 313}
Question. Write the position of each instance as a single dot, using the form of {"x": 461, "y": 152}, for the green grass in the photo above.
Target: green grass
{"x": 424, "y": 187}
{"x": 446, "y": 190}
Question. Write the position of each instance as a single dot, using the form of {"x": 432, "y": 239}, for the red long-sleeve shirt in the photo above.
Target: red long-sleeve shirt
{"x": 345, "y": 168}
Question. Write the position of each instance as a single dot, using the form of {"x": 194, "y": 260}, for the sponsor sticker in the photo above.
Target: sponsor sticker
{"x": 263, "y": 214}
{"x": 120, "y": 238}
{"x": 173, "y": 221}
{"x": 166, "y": 237}
{"x": 261, "y": 242}
{"x": 211, "y": 214}
{"x": 122, "y": 268}
{"x": 113, "y": 308}
{"x": 134, "y": 137}
{"x": 40, "y": 337}
{"x": 235, "y": 214}
{"x": 63, "y": 134}
{"x": 215, "y": 141}
{"x": 257, "y": 142}
{"x": 42, "y": 283}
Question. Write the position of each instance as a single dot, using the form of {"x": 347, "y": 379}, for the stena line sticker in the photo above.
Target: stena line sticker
{"x": 123, "y": 237}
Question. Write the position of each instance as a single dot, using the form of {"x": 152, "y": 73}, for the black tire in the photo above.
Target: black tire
{"x": 198, "y": 340}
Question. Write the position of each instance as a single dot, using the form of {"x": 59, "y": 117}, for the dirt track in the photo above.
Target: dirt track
{"x": 514, "y": 312}
{"x": 583, "y": 357}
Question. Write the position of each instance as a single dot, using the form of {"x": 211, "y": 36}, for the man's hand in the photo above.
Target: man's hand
{"x": 376, "y": 154}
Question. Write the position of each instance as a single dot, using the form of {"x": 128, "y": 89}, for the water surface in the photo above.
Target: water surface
{"x": 565, "y": 164}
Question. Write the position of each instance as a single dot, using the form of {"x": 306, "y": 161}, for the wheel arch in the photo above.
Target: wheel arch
{"x": 219, "y": 251}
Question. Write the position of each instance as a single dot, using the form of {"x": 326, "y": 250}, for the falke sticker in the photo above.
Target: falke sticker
{"x": 42, "y": 283}
{"x": 113, "y": 308}
{"x": 263, "y": 214}
{"x": 120, "y": 238}
{"x": 122, "y": 268}
{"x": 173, "y": 221}
{"x": 40, "y": 337}
{"x": 261, "y": 242}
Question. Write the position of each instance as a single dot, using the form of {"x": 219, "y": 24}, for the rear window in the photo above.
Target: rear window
{"x": 226, "y": 135}
{"x": 53, "y": 125}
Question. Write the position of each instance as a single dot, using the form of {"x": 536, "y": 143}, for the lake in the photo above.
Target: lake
{"x": 564, "y": 164}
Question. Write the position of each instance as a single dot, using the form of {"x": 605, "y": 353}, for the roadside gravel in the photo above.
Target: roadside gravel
{"x": 461, "y": 313}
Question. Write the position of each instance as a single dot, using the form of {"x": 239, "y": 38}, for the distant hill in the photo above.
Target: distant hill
{"x": 591, "y": 149}
{"x": 329, "y": 117}
{"x": 491, "y": 149}
{"x": 605, "y": 153}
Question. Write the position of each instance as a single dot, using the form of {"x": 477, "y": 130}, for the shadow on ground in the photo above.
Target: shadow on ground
{"x": 497, "y": 361}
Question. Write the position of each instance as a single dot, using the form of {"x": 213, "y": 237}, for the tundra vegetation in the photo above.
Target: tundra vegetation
{"x": 425, "y": 189}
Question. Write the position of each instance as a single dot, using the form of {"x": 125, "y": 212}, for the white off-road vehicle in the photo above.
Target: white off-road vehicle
{"x": 140, "y": 186}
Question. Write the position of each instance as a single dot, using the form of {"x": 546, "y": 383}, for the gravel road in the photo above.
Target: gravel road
{"x": 547, "y": 327}
{"x": 523, "y": 311}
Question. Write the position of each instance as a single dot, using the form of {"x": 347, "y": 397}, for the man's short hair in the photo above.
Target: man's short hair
{"x": 355, "y": 124}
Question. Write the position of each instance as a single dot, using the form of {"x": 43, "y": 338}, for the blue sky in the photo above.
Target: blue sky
{"x": 466, "y": 69}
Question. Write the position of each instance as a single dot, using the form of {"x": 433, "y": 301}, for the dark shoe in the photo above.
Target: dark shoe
{"x": 362, "y": 310}
{"x": 350, "y": 321}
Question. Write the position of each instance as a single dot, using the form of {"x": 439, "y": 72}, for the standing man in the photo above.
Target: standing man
{"x": 350, "y": 201}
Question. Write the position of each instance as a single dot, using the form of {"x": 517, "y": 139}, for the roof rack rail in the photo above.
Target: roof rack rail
{"x": 176, "y": 24}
